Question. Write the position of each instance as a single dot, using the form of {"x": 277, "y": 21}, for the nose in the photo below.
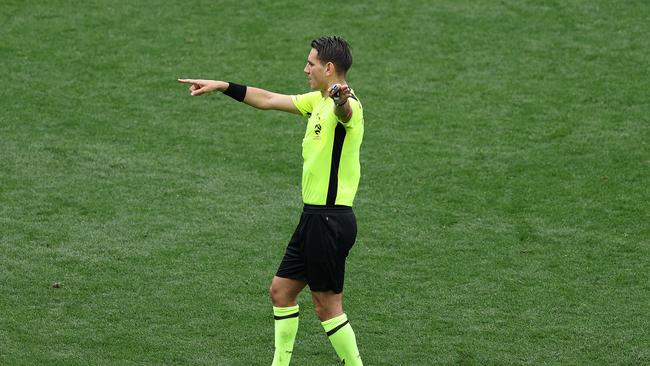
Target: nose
{"x": 306, "y": 69}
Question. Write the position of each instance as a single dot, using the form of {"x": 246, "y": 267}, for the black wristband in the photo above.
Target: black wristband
{"x": 342, "y": 104}
{"x": 236, "y": 91}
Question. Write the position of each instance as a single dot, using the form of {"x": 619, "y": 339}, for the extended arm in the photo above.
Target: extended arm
{"x": 255, "y": 97}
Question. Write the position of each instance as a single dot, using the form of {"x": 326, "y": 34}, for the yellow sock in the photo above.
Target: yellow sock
{"x": 286, "y": 327}
{"x": 343, "y": 340}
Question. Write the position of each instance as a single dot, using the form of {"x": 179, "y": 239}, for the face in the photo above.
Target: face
{"x": 316, "y": 71}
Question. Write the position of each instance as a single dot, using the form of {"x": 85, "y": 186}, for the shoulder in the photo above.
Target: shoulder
{"x": 357, "y": 112}
{"x": 354, "y": 98}
{"x": 355, "y": 103}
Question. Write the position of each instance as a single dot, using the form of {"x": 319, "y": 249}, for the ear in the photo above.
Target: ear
{"x": 330, "y": 69}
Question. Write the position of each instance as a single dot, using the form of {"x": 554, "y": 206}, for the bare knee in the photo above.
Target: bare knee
{"x": 272, "y": 293}
{"x": 284, "y": 292}
{"x": 278, "y": 296}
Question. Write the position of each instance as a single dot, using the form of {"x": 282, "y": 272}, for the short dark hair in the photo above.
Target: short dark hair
{"x": 335, "y": 50}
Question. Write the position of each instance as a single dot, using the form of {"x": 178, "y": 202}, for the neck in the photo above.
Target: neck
{"x": 330, "y": 82}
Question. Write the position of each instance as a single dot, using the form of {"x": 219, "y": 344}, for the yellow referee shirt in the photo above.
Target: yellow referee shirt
{"x": 330, "y": 151}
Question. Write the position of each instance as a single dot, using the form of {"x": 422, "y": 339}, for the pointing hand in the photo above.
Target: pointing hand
{"x": 199, "y": 86}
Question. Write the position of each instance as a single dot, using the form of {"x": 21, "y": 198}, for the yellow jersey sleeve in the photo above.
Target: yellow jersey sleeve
{"x": 357, "y": 114}
{"x": 306, "y": 102}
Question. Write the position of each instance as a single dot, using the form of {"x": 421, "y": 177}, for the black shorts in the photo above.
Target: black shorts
{"x": 318, "y": 248}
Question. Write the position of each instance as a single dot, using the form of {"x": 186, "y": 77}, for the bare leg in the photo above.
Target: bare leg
{"x": 329, "y": 307}
{"x": 284, "y": 291}
{"x": 327, "y": 304}
{"x": 283, "y": 294}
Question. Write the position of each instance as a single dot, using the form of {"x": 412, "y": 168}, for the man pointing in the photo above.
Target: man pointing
{"x": 317, "y": 251}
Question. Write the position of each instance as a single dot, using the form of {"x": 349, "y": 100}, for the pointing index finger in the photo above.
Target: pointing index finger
{"x": 187, "y": 81}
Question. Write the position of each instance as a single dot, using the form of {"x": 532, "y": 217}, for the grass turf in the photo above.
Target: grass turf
{"x": 503, "y": 208}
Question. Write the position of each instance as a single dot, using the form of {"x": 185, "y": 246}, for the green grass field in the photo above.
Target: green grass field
{"x": 503, "y": 210}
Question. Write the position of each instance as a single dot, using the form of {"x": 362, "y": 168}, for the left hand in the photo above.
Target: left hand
{"x": 343, "y": 94}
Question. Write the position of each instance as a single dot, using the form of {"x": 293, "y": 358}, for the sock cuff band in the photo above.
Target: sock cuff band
{"x": 335, "y": 324}
{"x": 285, "y": 313}
{"x": 329, "y": 334}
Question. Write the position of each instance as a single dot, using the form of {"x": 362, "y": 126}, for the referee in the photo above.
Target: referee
{"x": 317, "y": 251}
